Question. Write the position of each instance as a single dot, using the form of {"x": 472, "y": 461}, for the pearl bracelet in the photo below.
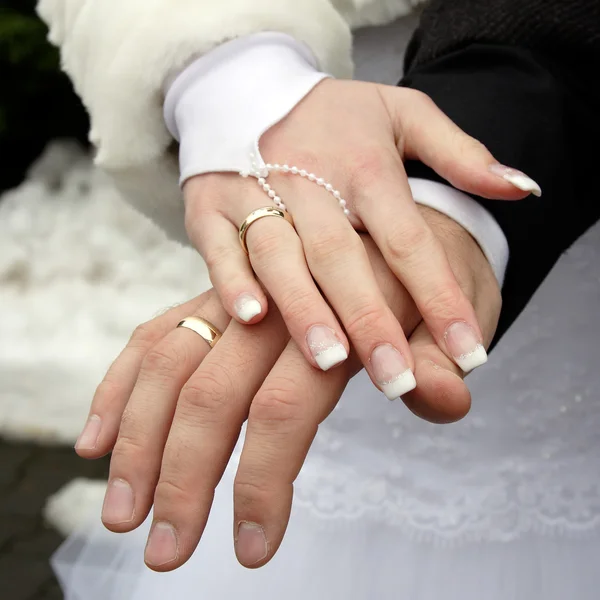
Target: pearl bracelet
{"x": 261, "y": 173}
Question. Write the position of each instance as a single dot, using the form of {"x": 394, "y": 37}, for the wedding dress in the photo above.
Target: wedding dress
{"x": 504, "y": 505}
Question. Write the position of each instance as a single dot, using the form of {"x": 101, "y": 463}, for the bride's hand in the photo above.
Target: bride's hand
{"x": 355, "y": 136}
{"x": 171, "y": 411}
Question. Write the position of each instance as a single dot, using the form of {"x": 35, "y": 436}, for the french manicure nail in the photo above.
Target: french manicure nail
{"x": 88, "y": 438}
{"x": 162, "y": 547}
{"x": 247, "y": 307}
{"x": 325, "y": 347}
{"x": 391, "y": 372}
{"x": 465, "y": 346}
{"x": 251, "y": 544}
{"x": 517, "y": 178}
{"x": 118, "y": 503}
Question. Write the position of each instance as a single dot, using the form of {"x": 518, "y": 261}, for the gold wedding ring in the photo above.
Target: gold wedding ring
{"x": 255, "y": 215}
{"x": 205, "y": 329}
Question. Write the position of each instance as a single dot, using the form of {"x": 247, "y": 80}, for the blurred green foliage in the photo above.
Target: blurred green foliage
{"x": 37, "y": 102}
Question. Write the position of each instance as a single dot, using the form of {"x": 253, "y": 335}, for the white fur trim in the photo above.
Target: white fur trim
{"x": 119, "y": 55}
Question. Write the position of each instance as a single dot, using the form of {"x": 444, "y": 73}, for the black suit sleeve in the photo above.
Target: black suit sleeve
{"x": 532, "y": 118}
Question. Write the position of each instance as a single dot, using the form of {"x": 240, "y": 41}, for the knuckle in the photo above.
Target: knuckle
{"x": 418, "y": 104}
{"x": 422, "y": 97}
{"x": 264, "y": 246}
{"x": 468, "y": 144}
{"x": 129, "y": 428}
{"x": 172, "y": 493}
{"x": 107, "y": 393}
{"x": 368, "y": 166}
{"x": 251, "y": 489}
{"x": 403, "y": 242}
{"x": 206, "y": 397}
{"x": 164, "y": 359}
{"x": 277, "y": 404}
{"x": 366, "y": 318}
{"x": 328, "y": 242}
{"x": 464, "y": 147}
{"x": 202, "y": 193}
{"x": 129, "y": 450}
{"x": 443, "y": 303}
{"x": 296, "y": 304}
{"x": 144, "y": 335}
{"x": 219, "y": 255}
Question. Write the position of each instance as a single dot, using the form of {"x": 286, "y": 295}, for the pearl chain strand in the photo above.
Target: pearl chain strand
{"x": 262, "y": 173}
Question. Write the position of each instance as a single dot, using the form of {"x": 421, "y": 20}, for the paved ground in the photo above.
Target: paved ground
{"x": 28, "y": 475}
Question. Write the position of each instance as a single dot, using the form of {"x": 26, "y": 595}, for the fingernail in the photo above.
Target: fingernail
{"x": 162, "y": 545}
{"x": 517, "y": 178}
{"x": 88, "y": 438}
{"x": 118, "y": 503}
{"x": 251, "y": 543}
{"x": 325, "y": 347}
{"x": 465, "y": 346}
{"x": 392, "y": 372}
{"x": 247, "y": 307}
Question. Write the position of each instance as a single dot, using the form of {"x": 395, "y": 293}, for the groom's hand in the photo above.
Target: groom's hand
{"x": 172, "y": 410}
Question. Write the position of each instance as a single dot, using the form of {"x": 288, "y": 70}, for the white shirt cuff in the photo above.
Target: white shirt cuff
{"x": 219, "y": 107}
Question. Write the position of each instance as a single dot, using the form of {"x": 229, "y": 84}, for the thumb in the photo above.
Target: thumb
{"x": 425, "y": 133}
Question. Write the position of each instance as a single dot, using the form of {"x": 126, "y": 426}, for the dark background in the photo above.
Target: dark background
{"x": 37, "y": 104}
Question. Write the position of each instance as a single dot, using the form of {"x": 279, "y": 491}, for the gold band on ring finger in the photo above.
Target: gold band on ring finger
{"x": 259, "y": 213}
{"x": 205, "y": 329}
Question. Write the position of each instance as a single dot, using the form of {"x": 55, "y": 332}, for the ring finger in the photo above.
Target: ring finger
{"x": 102, "y": 426}
{"x": 278, "y": 259}
{"x": 146, "y": 420}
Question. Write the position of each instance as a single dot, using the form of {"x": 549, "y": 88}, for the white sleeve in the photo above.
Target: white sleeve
{"x": 120, "y": 53}
{"x": 219, "y": 107}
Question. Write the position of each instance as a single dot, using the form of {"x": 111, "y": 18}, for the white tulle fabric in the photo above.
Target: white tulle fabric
{"x": 502, "y": 506}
